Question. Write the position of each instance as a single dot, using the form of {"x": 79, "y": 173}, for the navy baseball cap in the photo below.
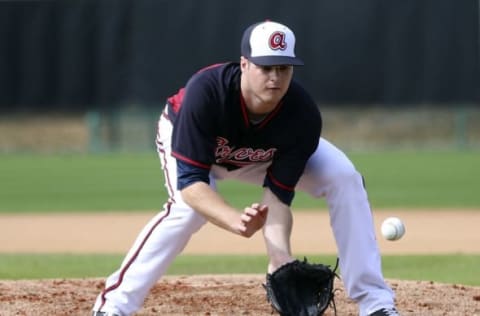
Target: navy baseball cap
{"x": 268, "y": 44}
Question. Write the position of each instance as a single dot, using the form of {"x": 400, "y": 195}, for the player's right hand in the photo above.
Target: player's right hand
{"x": 252, "y": 219}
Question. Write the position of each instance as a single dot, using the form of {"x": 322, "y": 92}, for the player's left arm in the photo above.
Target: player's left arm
{"x": 277, "y": 230}
{"x": 280, "y": 181}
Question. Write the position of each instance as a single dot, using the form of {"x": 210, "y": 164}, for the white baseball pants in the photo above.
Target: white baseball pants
{"x": 329, "y": 174}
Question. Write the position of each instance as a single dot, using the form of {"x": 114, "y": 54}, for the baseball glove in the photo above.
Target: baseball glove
{"x": 300, "y": 288}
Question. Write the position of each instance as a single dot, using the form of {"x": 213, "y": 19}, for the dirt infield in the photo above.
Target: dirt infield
{"x": 220, "y": 295}
{"x": 226, "y": 294}
{"x": 427, "y": 231}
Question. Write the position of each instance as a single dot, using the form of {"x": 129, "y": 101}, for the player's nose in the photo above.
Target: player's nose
{"x": 274, "y": 74}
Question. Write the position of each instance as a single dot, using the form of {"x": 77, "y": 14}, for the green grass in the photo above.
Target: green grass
{"x": 421, "y": 179}
{"x": 42, "y": 183}
{"x": 457, "y": 268}
{"x": 45, "y": 266}
{"x": 80, "y": 183}
{"x": 83, "y": 183}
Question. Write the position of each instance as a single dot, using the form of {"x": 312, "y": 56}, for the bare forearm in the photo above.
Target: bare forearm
{"x": 277, "y": 231}
{"x": 216, "y": 210}
{"x": 210, "y": 204}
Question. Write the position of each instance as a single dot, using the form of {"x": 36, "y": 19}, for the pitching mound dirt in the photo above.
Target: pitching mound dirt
{"x": 220, "y": 295}
{"x": 226, "y": 294}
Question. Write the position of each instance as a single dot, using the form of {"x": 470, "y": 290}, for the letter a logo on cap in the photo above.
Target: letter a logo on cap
{"x": 277, "y": 41}
{"x": 268, "y": 44}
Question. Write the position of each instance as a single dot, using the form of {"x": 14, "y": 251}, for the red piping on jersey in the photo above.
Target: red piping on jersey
{"x": 190, "y": 161}
{"x": 271, "y": 115}
{"x": 278, "y": 183}
{"x": 265, "y": 121}
{"x": 243, "y": 106}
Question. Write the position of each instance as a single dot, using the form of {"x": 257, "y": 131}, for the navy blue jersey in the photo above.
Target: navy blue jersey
{"x": 211, "y": 127}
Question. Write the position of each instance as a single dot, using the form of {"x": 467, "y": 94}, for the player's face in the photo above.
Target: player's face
{"x": 264, "y": 86}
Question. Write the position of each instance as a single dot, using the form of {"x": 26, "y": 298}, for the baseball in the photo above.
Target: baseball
{"x": 393, "y": 228}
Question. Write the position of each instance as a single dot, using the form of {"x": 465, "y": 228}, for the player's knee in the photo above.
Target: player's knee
{"x": 330, "y": 178}
{"x": 347, "y": 179}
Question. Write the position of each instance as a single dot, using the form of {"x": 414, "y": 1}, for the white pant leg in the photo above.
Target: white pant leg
{"x": 330, "y": 174}
{"x": 160, "y": 241}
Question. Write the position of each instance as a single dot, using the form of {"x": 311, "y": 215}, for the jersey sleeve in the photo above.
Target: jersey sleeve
{"x": 283, "y": 175}
{"x": 289, "y": 162}
{"x": 188, "y": 174}
{"x": 193, "y": 137}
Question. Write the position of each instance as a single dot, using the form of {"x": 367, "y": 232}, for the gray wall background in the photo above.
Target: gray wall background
{"x": 81, "y": 55}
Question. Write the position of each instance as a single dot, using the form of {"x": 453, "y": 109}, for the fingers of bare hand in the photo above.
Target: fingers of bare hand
{"x": 250, "y": 211}
{"x": 245, "y": 218}
{"x": 242, "y": 228}
{"x": 263, "y": 211}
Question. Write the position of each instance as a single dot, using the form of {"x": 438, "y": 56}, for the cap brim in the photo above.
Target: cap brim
{"x": 276, "y": 60}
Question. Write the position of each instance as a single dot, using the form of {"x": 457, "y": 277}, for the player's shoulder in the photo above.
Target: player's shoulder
{"x": 212, "y": 86}
{"x": 302, "y": 112}
{"x": 298, "y": 97}
{"x": 217, "y": 73}
{"x": 215, "y": 82}
{"x": 297, "y": 90}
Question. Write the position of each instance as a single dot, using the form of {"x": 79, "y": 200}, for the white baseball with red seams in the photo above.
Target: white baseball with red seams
{"x": 393, "y": 228}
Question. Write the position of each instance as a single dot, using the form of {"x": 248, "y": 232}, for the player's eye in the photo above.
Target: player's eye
{"x": 280, "y": 68}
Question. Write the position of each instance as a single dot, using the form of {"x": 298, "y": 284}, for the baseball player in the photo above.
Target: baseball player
{"x": 252, "y": 122}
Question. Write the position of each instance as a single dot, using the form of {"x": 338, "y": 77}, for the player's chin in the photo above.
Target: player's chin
{"x": 272, "y": 96}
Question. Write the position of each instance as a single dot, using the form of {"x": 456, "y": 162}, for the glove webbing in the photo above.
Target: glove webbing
{"x": 330, "y": 298}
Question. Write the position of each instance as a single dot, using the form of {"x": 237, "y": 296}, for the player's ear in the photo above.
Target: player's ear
{"x": 243, "y": 63}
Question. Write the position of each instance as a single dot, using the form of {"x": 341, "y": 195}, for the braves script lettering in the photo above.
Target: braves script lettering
{"x": 241, "y": 156}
